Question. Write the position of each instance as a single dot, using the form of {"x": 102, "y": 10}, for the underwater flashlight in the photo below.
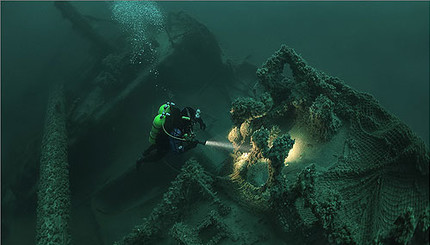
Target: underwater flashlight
{"x": 202, "y": 142}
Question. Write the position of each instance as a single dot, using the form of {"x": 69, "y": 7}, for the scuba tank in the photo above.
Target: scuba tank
{"x": 165, "y": 107}
{"x": 157, "y": 124}
{"x": 159, "y": 121}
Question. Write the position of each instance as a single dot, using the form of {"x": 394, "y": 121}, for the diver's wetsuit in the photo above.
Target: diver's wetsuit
{"x": 163, "y": 142}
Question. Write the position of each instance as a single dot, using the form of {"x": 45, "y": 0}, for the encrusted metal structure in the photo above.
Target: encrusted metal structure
{"x": 190, "y": 185}
{"x": 374, "y": 189}
{"x": 53, "y": 196}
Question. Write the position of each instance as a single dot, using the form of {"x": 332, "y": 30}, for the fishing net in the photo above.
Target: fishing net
{"x": 376, "y": 191}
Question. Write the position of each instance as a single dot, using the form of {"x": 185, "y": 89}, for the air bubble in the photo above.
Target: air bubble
{"x": 141, "y": 20}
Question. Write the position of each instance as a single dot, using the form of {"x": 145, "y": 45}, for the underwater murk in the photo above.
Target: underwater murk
{"x": 155, "y": 135}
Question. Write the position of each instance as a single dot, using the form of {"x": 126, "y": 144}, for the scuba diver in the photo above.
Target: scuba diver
{"x": 172, "y": 131}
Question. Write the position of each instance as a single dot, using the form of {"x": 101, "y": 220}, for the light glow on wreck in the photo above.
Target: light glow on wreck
{"x": 239, "y": 163}
{"x": 296, "y": 152}
{"x": 241, "y": 160}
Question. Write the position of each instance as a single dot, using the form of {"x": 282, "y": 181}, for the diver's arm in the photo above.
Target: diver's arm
{"x": 201, "y": 123}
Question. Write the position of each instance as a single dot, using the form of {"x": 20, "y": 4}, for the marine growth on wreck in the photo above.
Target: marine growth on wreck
{"x": 359, "y": 175}
{"x": 303, "y": 159}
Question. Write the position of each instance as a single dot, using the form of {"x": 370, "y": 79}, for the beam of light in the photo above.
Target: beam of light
{"x": 224, "y": 145}
{"x": 296, "y": 152}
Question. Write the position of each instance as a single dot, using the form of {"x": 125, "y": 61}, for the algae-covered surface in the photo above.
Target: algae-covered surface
{"x": 316, "y": 120}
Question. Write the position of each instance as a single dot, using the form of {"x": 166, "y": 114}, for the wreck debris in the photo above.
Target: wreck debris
{"x": 184, "y": 234}
{"x": 81, "y": 25}
{"x": 53, "y": 196}
{"x": 358, "y": 199}
{"x": 191, "y": 180}
{"x": 212, "y": 224}
{"x": 277, "y": 155}
{"x": 248, "y": 108}
{"x": 188, "y": 35}
{"x": 322, "y": 119}
{"x": 218, "y": 229}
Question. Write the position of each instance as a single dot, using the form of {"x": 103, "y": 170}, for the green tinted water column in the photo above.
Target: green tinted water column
{"x": 53, "y": 197}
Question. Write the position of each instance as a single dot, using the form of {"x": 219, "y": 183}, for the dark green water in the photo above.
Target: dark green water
{"x": 381, "y": 48}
